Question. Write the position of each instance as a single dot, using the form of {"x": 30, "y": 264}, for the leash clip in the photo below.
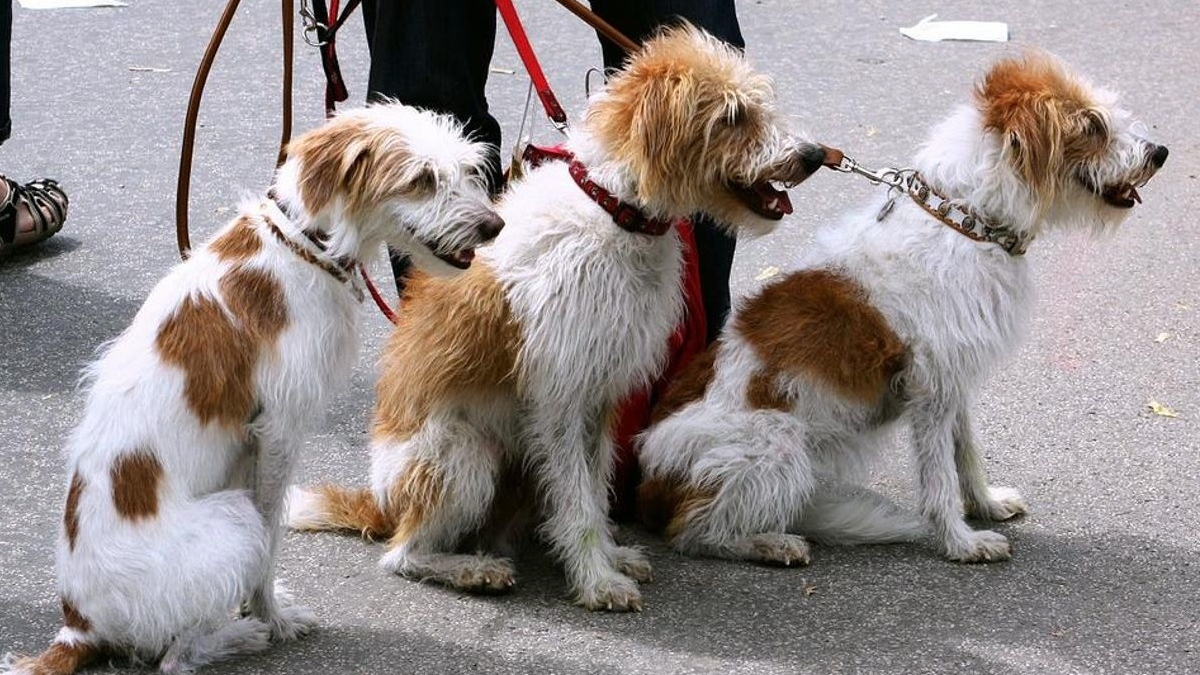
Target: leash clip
{"x": 313, "y": 28}
{"x": 896, "y": 179}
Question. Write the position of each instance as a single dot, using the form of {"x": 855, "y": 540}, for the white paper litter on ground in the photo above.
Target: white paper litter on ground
{"x": 70, "y": 4}
{"x": 928, "y": 30}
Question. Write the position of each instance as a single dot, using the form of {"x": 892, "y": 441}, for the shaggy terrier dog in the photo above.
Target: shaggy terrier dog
{"x": 895, "y": 315}
{"x": 499, "y": 387}
{"x": 193, "y": 423}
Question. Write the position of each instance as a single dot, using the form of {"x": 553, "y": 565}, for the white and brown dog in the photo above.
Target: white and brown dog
{"x": 194, "y": 417}
{"x": 514, "y": 369}
{"x": 895, "y": 315}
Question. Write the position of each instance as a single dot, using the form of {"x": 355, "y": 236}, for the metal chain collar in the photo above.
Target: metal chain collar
{"x": 952, "y": 213}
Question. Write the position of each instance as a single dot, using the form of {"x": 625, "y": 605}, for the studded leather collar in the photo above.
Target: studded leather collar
{"x": 627, "y": 216}
{"x": 962, "y": 218}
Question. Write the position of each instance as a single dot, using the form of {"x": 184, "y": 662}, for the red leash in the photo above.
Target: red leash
{"x": 521, "y": 41}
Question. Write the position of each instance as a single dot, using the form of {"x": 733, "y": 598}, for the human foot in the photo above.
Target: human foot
{"x": 29, "y": 213}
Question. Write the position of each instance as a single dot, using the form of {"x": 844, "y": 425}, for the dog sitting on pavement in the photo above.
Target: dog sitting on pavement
{"x": 499, "y": 386}
{"x": 895, "y": 315}
{"x": 194, "y": 416}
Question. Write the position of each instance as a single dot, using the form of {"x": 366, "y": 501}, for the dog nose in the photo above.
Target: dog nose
{"x": 490, "y": 225}
{"x": 1159, "y": 156}
{"x": 813, "y": 157}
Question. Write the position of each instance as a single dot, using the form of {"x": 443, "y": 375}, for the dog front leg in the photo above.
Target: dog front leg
{"x": 980, "y": 499}
{"x": 937, "y": 478}
{"x": 274, "y": 460}
{"x": 574, "y": 459}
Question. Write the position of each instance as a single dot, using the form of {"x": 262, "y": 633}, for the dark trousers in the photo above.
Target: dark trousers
{"x": 5, "y": 68}
{"x": 436, "y": 54}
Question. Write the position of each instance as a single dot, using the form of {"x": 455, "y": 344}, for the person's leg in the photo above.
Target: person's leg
{"x": 5, "y": 68}
{"x": 637, "y": 19}
{"x": 436, "y": 54}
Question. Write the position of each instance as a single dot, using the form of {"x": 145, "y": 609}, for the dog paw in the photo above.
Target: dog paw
{"x": 616, "y": 593}
{"x": 484, "y": 574}
{"x": 983, "y": 546}
{"x": 778, "y": 548}
{"x": 291, "y": 622}
{"x": 1002, "y": 503}
{"x": 632, "y": 562}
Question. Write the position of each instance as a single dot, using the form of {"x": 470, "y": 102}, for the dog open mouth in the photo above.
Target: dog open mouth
{"x": 460, "y": 259}
{"x": 1121, "y": 195}
{"x": 764, "y": 199}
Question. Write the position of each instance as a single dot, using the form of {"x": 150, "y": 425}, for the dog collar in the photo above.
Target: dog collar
{"x": 341, "y": 269}
{"x": 627, "y": 216}
{"x": 962, "y": 219}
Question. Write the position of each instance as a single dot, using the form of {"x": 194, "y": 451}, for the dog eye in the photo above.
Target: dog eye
{"x": 1095, "y": 126}
{"x": 425, "y": 181}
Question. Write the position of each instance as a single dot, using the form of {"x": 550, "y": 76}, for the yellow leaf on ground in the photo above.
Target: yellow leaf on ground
{"x": 1160, "y": 409}
{"x": 767, "y": 272}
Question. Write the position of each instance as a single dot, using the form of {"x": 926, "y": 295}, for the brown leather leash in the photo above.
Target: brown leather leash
{"x": 183, "y": 184}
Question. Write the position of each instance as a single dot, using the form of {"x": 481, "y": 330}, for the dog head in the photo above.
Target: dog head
{"x": 392, "y": 173}
{"x": 1078, "y": 158}
{"x": 694, "y": 128}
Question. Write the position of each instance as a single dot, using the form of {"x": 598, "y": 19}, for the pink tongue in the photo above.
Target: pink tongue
{"x": 465, "y": 256}
{"x": 767, "y": 194}
{"x": 785, "y": 203}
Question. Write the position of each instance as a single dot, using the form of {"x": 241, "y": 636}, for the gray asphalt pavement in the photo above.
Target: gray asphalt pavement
{"x": 1104, "y": 579}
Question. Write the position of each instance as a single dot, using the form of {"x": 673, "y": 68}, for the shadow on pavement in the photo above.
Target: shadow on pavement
{"x": 39, "y": 356}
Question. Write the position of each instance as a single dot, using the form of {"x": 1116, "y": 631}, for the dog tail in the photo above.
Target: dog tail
{"x": 332, "y": 507}
{"x": 850, "y": 516}
{"x": 63, "y": 657}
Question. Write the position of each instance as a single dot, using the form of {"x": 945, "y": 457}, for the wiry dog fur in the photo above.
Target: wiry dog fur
{"x": 194, "y": 417}
{"x": 514, "y": 369}
{"x": 891, "y": 317}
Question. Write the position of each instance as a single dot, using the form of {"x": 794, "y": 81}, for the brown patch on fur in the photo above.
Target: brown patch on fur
{"x": 257, "y": 301}
{"x": 59, "y": 659}
{"x": 71, "y": 510}
{"x": 362, "y": 162}
{"x": 454, "y": 336}
{"x": 238, "y": 242}
{"x": 820, "y": 325}
{"x": 1048, "y": 116}
{"x": 216, "y": 357}
{"x": 218, "y": 352}
{"x": 665, "y": 503}
{"x": 762, "y": 393}
{"x": 136, "y": 477}
{"x": 73, "y": 619}
{"x": 687, "y": 387}
{"x": 412, "y": 497}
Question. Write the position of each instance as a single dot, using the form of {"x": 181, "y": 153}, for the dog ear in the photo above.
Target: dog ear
{"x": 1023, "y": 99}
{"x": 666, "y": 108}
{"x": 1037, "y": 139}
{"x": 361, "y": 162}
{"x": 329, "y": 157}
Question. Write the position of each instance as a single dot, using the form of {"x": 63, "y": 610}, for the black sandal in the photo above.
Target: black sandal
{"x": 47, "y": 206}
